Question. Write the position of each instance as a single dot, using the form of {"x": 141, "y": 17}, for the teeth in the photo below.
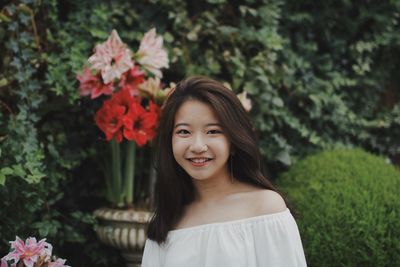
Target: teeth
{"x": 201, "y": 160}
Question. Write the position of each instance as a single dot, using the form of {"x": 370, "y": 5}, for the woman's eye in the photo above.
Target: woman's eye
{"x": 182, "y": 131}
{"x": 214, "y": 131}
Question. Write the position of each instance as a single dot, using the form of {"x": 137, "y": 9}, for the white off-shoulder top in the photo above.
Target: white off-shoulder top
{"x": 270, "y": 240}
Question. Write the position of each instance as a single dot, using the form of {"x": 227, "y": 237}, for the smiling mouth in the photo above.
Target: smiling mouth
{"x": 199, "y": 160}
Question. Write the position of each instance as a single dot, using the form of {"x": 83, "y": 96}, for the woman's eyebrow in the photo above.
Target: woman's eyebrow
{"x": 213, "y": 124}
{"x": 207, "y": 125}
{"x": 181, "y": 124}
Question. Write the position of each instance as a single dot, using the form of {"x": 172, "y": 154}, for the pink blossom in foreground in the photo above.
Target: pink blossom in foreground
{"x": 246, "y": 102}
{"x": 28, "y": 251}
{"x": 151, "y": 54}
{"x": 112, "y": 58}
{"x": 5, "y": 264}
{"x": 93, "y": 85}
{"x": 58, "y": 263}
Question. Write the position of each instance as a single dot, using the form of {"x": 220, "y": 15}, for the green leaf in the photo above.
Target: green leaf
{"x": 100, "y": 34}
{"x": 7, "y": 171}
{"x": 277, "y": 101}
{"x": 34, "y": 178}
{"x": 216, "y": 1}
{"x": 3, "y": 82}
{"x": 227, "y": 30}
{"x": 168, "y": 37}
{"x": 284, "y": 157}
{"x": 2, "y": 179}
{"x": 4, "y": 18}
{"x": 19, "y": 171}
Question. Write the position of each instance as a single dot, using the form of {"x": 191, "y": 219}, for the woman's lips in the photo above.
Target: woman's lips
{"x": 199, "y": 162}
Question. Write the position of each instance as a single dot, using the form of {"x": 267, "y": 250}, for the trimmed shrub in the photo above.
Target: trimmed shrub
{"x": 349, "y": 207}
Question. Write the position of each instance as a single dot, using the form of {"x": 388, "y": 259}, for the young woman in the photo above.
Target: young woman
{"x": 214, "y": 207}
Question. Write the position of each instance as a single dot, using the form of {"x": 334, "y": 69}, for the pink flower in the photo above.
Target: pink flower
{"x": 93, "y": 85}
{"x": 112, "y": 58}
{"x": 151, "y": 54}
{"x": 58, "y": 263}
{"x": 131, "y": 79}
{"x": 5, "y": 264}
{"x": 29, "y": 251}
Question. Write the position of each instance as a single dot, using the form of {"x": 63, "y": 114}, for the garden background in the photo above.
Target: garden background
{"x": 320, "y": 74}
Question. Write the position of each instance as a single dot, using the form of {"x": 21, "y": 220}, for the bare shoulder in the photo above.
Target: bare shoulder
{"x": 268, "y": 202}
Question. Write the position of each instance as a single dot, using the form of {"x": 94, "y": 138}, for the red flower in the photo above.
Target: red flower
{"x": 123, "y": 98}
{"x": 109, "y": 118}
{"x": 139, "y": 124}
{"x": 93, "y": 84}
{"x": 131, "y": 79}
{"x": 155, "y": 110}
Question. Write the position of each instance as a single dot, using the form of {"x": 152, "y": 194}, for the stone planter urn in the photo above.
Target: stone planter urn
{"x": 125, "y": 230}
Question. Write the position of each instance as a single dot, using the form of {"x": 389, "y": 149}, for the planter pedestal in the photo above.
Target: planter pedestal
{"x": 125, "y": 230}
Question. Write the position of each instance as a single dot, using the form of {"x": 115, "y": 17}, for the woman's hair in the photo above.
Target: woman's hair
{"x": 174, "y": 188}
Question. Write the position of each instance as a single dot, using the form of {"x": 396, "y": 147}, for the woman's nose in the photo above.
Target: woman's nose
{"x": 198, "y": 145}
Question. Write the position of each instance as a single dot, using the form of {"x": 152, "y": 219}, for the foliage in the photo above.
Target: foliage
{"x": 343, "y": 87}
{"x": 349, "y": 206}
{"x": 39, "y": 152}
{"x": 320, "y": 75}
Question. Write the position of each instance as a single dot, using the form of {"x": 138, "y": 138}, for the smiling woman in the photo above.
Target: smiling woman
{"x": 199, "y": 145}
{"x": 214, "y": 206}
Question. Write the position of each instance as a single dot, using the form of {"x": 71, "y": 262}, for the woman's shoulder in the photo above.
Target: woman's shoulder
{"x": 265, "y": 201}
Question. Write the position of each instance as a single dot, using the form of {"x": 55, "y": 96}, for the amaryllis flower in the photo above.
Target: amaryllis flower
{"x": 123, "y": 98}
{"x": 131, "y": 79}
{"x": 3, "y": 263}
{"x": 109, "y": 119}
{"x": 246, "y": 102}
{"x": 155, "y": 110}
{"x": 151, "y": 54}
{"x": 28, "y": 251}
{"x": 151, "y": 87}
{"x": 58, "y": 263}
{"x": 112, "y": 58}
{"x": 93, "y": 84}
{"x": 139, "y": 124}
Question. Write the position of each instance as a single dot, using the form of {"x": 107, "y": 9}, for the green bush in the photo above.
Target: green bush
{"x": 349, "y": 206}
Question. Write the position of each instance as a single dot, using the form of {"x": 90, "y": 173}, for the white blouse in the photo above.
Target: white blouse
{"x": 270, "y": 240}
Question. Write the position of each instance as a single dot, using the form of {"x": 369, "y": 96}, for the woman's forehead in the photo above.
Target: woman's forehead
{"x": 196, "y": 112}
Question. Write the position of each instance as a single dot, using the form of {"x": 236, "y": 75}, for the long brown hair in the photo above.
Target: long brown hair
{"x": 174, "y": 188}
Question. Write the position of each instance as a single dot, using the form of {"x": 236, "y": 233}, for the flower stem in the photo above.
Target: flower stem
{"x": 130, "y": 172}
{"x": 116, "y": 171}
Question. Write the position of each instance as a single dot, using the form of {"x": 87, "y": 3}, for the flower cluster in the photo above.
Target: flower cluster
{"x": 124, "y": 116}
{"x": 129, "y": 86}
{"x": 31, "y": 254}
{"x": 115, "y": 71}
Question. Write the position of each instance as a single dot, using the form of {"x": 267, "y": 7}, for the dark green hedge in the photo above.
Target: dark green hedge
{"x": 348, "y": 206}
{"x": 320, "y": 75}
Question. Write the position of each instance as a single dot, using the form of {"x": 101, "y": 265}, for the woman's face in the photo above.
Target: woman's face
{"x": 199, "y": 144}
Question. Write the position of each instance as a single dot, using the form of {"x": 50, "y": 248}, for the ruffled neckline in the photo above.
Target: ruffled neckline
{"x": 236, "y": 222}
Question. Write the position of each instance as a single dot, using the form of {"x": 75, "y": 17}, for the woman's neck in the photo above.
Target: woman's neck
{"x": 213, "y": 190}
